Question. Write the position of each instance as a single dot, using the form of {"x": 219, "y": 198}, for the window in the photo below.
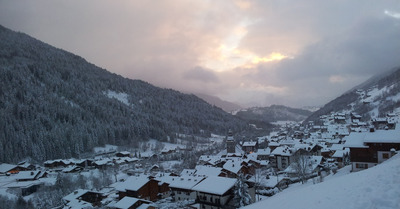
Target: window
{"x": 361, "y": 165}
{"x": 385, "y": 155}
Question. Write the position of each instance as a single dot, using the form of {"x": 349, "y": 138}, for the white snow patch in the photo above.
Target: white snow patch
{"x": 122, "y": 97}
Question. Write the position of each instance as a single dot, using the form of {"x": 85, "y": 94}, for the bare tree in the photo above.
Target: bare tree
{"x": 301, "y": 165}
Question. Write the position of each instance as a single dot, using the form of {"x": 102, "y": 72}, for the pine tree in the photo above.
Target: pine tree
{"x": 241, "y": 193}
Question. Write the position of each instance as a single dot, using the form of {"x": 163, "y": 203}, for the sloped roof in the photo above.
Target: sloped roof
{"x": 233, "y": 165}
{"x": 202, "y": 170}
{"x": 266, "y": 151}
{"x": 358, "y": 140}
{"x": 249, "y": 144}
{"x": 183, "y": 182}
{"x": 5, "y": 167}
{"x": 133, "y": 183}
{"x": 215, "y": 185}
{"x": 26, "y": 175}
{"x": 75, "y": 195}
{"x": 340, "y": 153}
{"x": 125, "y": 202}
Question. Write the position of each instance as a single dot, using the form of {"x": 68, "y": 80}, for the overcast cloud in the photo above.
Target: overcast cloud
{"x": 295, "y": 53}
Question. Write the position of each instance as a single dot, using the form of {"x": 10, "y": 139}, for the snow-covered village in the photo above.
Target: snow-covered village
{"x": 220, "y": 171}
{"x": 171, "y": 104}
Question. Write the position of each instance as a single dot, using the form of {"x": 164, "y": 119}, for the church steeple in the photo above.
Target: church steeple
{"x": 230, "y": 142}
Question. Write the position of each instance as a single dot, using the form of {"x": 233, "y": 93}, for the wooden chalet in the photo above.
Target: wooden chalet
{"x": 142, "y": 187}
{"x": 6, "y": 168}
{"x": 250, "y": 146}
{"x": 367, "y": 149}
{"x": 82, "y": 197}
{"x": 215, "y": 192}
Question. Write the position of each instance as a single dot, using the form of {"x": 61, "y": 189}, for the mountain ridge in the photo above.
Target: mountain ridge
{"x": 373, "y": 98}
{"x": 264, "y": 117}
{"x": 54, "y": 104}
{"x": 213, "y": 100}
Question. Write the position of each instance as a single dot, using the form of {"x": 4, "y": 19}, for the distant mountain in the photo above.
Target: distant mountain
{"x": 274, "y": 113}
{"x": 374, "y": 98}
{"x": 54, "y": 104}
{"x": 213, "y": 100}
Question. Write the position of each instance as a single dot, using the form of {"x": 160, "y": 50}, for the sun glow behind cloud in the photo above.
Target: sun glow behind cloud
{"x": 229, "y": 55}
{"x": 275, "y": 56}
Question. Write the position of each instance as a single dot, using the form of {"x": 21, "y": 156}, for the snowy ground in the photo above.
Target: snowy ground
{"x": 377, "y": 187}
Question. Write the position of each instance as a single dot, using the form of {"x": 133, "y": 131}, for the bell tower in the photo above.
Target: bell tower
{"x": 230, "y": 142}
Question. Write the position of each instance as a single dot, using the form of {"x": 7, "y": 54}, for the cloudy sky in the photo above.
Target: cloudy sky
{"x": 296, "y": 53}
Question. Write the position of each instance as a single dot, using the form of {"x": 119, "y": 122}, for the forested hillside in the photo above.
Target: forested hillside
{"x": 54, "y": 104}
{"x": 273, "y": 113}
{"x": 374, "y": 98}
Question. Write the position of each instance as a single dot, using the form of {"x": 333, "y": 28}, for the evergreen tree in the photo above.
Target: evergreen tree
{"x": 241, "y": 193}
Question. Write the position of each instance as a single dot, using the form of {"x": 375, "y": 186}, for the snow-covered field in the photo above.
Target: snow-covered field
{"x": 374, "y": 188}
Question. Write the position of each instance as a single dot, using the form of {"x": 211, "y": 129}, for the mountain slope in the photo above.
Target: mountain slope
{"x": 376, "y": 97}
{"x": 376, "y": 187}
{"x": 225, "y": 105}
{"x": 54, "y": 104}
{"x": 273, "y": 113}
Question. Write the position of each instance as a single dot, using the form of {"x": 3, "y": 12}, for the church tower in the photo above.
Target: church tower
{"x": 230, "y": 143}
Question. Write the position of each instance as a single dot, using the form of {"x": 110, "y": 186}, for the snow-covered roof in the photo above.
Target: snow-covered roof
{"x": 212, "y": 159}
{"x": 306, "y": 147}
{"x": 249, "y": 144}
{"x": 70, "y": 168}
{"x": 102, "y": 162}
{"x": 283, "y": 151}
{"x": 273, "y": 144}
{"x": 288, "y": 142}
{"x": 75, "y": 195}
{"x": 202, "y": 170}
{"x": 27, "y": 175}
{"x": 340, "y": 153}
{"x": 183, "y": 182}
{"x": 125, "y": 203}
{"x": 5, "y": 167}
{"x": 233, "y": 165}
{"x": 355, "y": 140}
{"x": 337, "y": 147}
{"x": 22, "y": 184}
{"x": 133, "y": 183}
{"x": 25, "y": 165}
{"x": 358, "y": 140}
{"x": 312, "y": 164}
{"x": 384, "y": 136}
{"x": 215, "y": 185}
{"x": 188, "y": 172}
{"x": 78, "y": 204}
{"x": 265, "y": 151}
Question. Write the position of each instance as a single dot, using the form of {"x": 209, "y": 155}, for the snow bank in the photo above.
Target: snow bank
{"x": 377, "y": 187}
